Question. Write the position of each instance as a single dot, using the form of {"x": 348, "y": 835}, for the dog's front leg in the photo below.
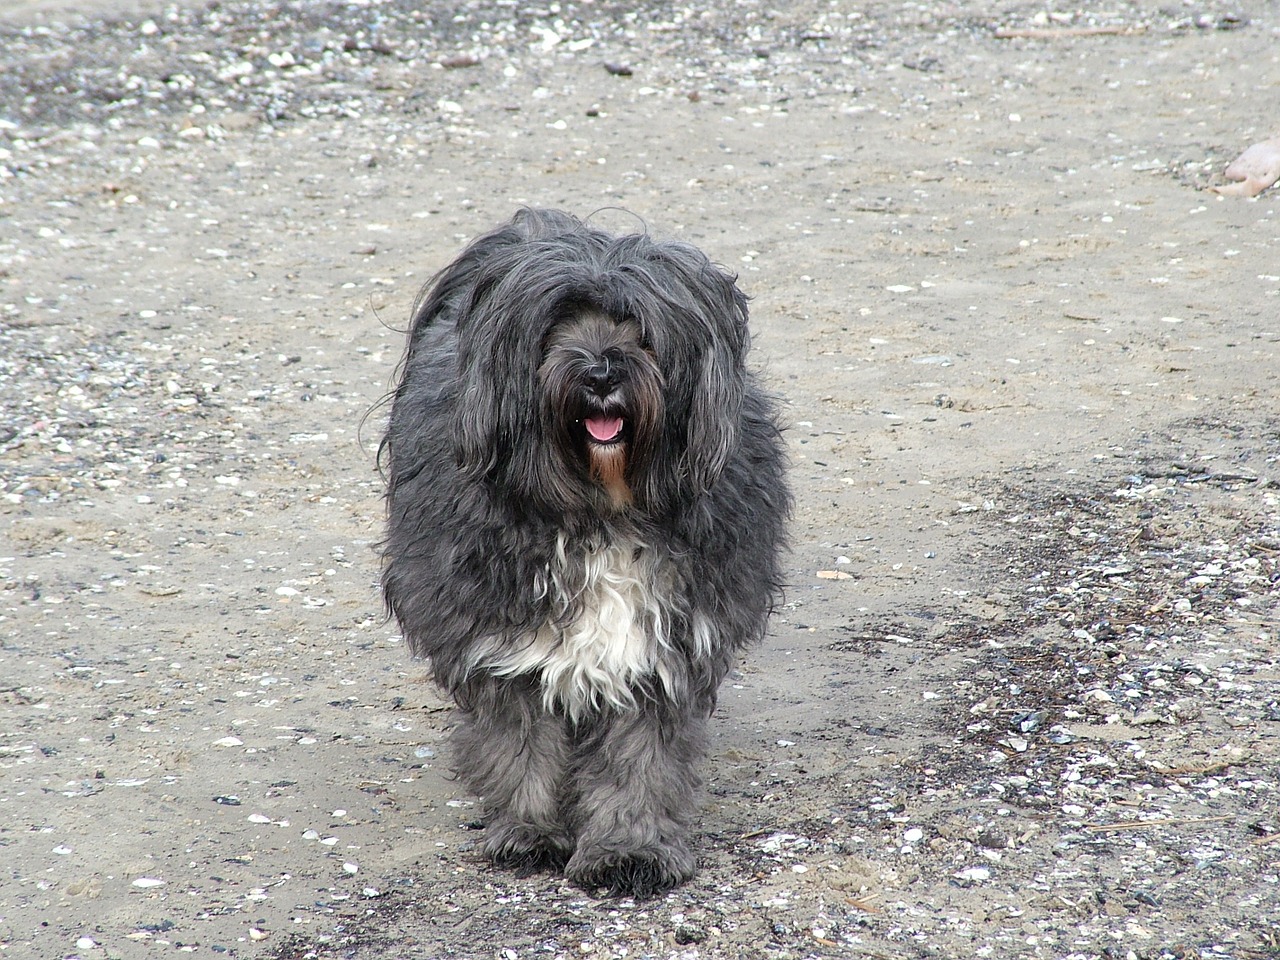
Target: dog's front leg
{"x": 513, "y": 753}
{"x": 635, "y": 772}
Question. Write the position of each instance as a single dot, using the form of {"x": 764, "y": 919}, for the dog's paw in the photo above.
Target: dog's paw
{"x": 524, "y": 849}
{"x": 643, "y": 874}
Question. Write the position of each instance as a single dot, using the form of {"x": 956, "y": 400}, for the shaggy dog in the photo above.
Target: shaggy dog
{"x": 586, "y": 500}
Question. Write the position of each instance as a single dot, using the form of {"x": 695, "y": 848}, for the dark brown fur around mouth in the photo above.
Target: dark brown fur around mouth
{"x": 608, "y": 462}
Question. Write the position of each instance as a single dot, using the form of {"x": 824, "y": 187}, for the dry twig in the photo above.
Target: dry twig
{"x": 1141, "y": 824}
{"x": 1055, "y": 33}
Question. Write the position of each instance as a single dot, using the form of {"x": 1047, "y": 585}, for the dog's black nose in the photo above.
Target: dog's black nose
{"x": 602, "y": 377}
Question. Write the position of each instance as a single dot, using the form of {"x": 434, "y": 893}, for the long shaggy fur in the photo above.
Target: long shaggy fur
{"x": 586, "y": 501}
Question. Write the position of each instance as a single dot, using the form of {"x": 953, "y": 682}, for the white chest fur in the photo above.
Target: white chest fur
{"x": 609, "y": 627}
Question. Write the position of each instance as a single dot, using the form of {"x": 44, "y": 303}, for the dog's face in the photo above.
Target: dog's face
{"x": 601, "y": 401}
{"x": 594, "y": 374}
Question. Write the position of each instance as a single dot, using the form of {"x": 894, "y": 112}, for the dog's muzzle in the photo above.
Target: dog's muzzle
{"x": 604, "y": 423}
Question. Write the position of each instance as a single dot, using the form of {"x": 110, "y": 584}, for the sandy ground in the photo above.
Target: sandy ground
{"x": 1024, "y": 698}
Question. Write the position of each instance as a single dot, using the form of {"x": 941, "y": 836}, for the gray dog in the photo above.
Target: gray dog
{"x": 586, "y": 501}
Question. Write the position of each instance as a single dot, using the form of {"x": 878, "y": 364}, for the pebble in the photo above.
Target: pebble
{"x": 687, "y": 934}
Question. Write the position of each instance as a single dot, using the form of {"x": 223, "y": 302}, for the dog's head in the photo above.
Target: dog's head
{"x": 595, "y": 371}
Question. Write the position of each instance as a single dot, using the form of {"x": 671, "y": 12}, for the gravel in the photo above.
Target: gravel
{"x": 1023, "y": 700}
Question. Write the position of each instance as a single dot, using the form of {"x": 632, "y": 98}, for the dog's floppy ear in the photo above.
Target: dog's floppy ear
{"x": 497, "y": 360}
{"x": 478, "y": 424}
{"x": 714, "y": 413}
{"x": 694, "y": 318}
{"x": 715, "y": 408}
{"x": 493, "y": 292}
{"x": 699, "y": 329}
{"x": 456, "y": 293}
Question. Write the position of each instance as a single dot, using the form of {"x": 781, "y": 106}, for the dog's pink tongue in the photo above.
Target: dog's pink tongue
{"x": 603, "y": 429}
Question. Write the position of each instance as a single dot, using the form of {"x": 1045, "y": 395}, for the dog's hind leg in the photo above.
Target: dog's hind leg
{"x": 636, "y": 777}
{"x": 513, "y": 754}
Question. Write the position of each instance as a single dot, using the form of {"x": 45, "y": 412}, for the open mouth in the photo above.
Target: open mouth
{"x": 604, "y": 430}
